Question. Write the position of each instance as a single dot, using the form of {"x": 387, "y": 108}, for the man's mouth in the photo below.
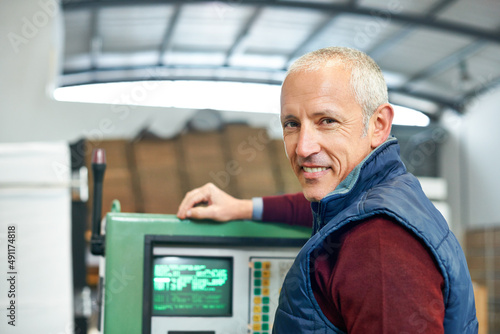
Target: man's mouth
{"x": 314, "y": 169}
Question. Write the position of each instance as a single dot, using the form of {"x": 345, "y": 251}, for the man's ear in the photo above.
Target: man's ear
{"x": 381, "y": 124}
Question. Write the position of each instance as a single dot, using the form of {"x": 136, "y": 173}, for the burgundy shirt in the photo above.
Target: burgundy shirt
{"x": 375, "y": 278}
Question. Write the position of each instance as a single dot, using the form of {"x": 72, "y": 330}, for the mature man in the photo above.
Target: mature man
{"x": 381, "y": 258}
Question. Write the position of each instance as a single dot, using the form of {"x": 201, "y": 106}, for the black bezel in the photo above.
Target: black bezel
{"x": 151, "y": 241}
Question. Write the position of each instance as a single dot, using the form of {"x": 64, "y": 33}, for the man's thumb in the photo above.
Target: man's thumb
{"x": 201, "y": 213}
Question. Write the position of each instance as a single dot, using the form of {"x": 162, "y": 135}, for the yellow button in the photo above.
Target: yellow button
{"x": 256, "y": 318}
{"x": 265, "y": 291}
{"x": 257, "y": 300}
{"x": 266, "y": 265}
{"x": 266, "y": 274}
{"x": 256, "y": 327}
{"x": 257, "y": 309}
{"x": 265, "y": 282}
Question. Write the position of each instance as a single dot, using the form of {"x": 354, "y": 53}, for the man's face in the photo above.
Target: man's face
{"x": 322, "y": 129}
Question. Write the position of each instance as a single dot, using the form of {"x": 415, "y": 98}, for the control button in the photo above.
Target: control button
{"x": 257, "y": 282}
{"x": 257, "y": 274}
{"x": 265, "y": 327}
{"x": 266, "y": 265}
{"x": 258, "y": 309}
{"x": 265, "y": 309}
{"x": 256, "y": 318}
{"x": 265, "y": 300}
{"x": 266, "y": 274}
{"x": 265, "y": 318}
{"x": 258, "y": 300}
{"x": 257, "y": 265}
{"x": 265, "y": 291}
{"x": 256, "y": 327}
{"x": 256, "y": 292}
{"x": 265, "y": 282}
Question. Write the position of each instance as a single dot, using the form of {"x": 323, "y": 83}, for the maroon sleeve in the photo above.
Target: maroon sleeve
{"x": 292, "y": 209}
{"x": 379, "y": 279}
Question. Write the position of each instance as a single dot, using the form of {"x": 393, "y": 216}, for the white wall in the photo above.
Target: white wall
{"x": 482, "y": 154}
{"x": 28, "y": 73}
{"x": 470, "y": 162}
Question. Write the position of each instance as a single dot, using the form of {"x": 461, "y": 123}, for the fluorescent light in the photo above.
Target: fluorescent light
{"x": 409, "y": 117}
{"x": 218, "y": 95}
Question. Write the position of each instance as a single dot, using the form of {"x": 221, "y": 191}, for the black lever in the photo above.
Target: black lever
{"x": 98, "y": 169}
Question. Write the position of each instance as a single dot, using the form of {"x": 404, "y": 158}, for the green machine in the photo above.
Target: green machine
{"x": 159, "y": 274}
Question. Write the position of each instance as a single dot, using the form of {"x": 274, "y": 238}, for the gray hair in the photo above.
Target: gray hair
{"x": 367, "y": 82}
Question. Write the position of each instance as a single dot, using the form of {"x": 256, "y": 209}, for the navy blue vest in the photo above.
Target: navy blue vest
{"x": 378, "y": 185}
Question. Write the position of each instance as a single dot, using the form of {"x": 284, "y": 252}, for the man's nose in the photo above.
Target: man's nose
{"x": 308, "y": 143}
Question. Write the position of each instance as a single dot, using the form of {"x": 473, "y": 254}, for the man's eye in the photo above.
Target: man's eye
{"x": 328, "y": 121}
{"x": 290, "y": 125}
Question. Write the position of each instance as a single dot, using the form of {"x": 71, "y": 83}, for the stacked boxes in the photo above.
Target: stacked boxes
{"x": 482, "y": 249}
{"x": 153, "y": 175}
{"x": 249, "y": 153}
{"x": 157, "y": 173}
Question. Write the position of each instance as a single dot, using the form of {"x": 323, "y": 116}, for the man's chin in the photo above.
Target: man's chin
{"x": 312, "y": 196}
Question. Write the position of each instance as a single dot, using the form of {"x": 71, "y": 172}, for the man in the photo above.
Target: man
{"x": 381, "y": 258}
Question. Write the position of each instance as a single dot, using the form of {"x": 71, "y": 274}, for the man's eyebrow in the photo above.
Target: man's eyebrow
{"x": 324, "y": 112}
{"x": 328, "y": 112}
{"x": 287, "y": 117}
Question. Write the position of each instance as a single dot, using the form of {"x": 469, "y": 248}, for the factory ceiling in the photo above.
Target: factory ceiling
{"x": 435, "y": 54}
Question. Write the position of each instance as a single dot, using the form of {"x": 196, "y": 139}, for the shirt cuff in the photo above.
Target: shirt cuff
{"x": 258, "y": 208}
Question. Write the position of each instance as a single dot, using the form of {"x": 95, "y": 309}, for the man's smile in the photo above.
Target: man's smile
{"x": 314, "y": 169}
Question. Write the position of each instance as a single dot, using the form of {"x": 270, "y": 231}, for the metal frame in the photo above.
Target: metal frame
{"x": 383, "y": 47}
{"x": 169, "y": 33}
{"x": 422, "y": 20}
{"x": 481, "y": 36}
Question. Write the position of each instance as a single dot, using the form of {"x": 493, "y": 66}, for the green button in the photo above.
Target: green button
{"x": 265, "y": 332}
{"x": 265, "y": 318}
{"x": 256, "y": 292}
{"x": 257, "y": 282}
{"x": 257, "y": 265}
{"x": 265, "y": 327}
{"x": 265, "y": 309}
{"x": 265, "y": 300}
{"x": 257, "y": 274}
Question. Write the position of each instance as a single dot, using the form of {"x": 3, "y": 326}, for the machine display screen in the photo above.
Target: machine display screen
{"x": 192, "y": 286}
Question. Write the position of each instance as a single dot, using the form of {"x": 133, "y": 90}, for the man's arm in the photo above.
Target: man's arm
{"x": 291, "y": 209}
{"x": 220, "y": 206}
{"x": 378, "y": 278}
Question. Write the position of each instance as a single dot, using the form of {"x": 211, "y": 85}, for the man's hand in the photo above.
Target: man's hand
{"x": 220, "y": 205}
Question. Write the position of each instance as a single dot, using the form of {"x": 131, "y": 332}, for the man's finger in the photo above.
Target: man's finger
{"x": 190, "y": 200}
{"x": 201, "y": 213}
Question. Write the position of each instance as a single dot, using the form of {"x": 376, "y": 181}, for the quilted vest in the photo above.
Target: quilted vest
{"x": 379, "y": 185}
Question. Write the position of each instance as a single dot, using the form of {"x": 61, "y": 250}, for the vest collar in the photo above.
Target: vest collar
{"x": 381, "y": 164}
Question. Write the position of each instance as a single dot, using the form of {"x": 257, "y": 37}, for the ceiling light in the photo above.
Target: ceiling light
{"x": 217, "y": 95}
